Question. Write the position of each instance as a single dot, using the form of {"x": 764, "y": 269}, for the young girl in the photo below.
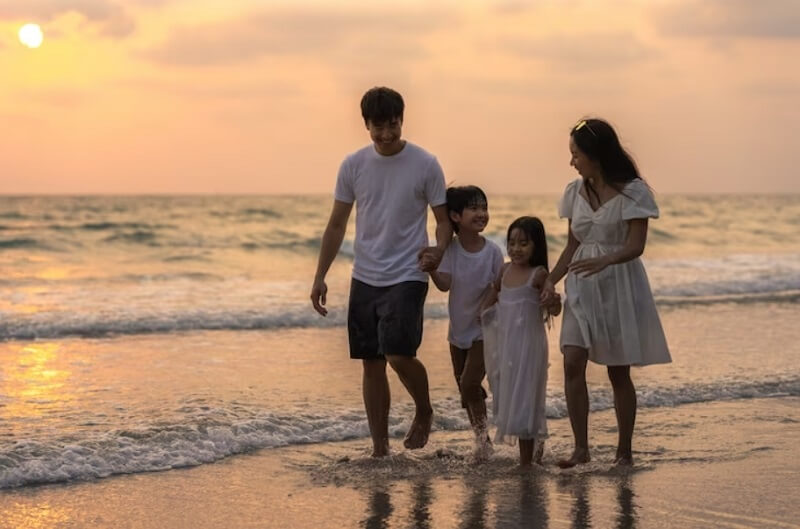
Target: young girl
{"x": 517, "y": 367}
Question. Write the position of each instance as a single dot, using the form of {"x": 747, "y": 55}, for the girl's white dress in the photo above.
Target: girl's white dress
{"x": 515, "y": 351}
{"x": 611, "y": 313}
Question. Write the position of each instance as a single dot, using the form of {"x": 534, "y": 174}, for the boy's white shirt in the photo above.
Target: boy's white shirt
{"x": 392, "y": 195}
{"x": 471, "y": 273}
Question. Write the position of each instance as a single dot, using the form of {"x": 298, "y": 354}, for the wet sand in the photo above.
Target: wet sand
{"x": 723, "y": 464}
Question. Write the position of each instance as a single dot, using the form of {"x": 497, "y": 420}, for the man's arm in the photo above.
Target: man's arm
{"x": 331, "y": 242}
{"x": 430, "y": 257}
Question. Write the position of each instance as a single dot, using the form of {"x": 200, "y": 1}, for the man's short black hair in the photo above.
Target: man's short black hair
{"x": 381, "y": 104}
{"x": 461, "y": 197}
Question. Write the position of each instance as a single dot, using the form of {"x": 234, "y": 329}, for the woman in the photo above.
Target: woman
{"x": 610, "y": 316}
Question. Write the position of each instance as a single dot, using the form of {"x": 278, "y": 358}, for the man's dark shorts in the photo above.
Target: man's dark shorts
{"x": 385, "y": 320}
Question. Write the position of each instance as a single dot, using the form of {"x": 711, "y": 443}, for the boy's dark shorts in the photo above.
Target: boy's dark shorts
{"x": 385, "y": 320}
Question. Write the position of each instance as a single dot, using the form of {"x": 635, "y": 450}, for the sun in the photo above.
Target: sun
{"x": 31, "y": 35}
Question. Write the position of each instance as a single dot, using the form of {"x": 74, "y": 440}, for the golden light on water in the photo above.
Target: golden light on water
{"x": 31, "y": 35}
{"x": 34, "y": 382}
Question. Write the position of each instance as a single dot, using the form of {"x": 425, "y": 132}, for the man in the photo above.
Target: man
{"x": 392, "y": 182}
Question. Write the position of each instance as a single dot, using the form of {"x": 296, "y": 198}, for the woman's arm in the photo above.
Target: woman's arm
{"x": 549, "y": 294}
{"x": 633, "y": 248}
{"x": 560, "y": 270}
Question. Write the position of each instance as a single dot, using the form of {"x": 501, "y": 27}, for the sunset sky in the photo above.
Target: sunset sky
{"x": 260, "y": 96}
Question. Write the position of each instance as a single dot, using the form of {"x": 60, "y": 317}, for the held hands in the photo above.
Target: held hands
{"x": 319, "y": 292}
{"x": 588, "y": 267}
{"x": 550, "y": 299}
{"x": 429, "y": 258}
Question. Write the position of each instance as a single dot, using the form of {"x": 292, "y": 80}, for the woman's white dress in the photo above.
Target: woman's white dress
{"x": 611, "y": 313}
{"x": 515, "y": 350}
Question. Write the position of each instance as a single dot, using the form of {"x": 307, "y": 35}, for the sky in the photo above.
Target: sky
{"x": 262, "y": 96}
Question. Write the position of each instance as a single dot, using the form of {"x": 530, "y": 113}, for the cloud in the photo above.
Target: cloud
{"x": 584, "y": 51}
{"x": 111, "y": 18}
{"x": 297, "y": 31}
{"x": 730, "y": 18}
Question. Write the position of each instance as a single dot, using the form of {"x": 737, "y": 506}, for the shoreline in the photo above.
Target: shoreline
{"x": 727, "y": 464}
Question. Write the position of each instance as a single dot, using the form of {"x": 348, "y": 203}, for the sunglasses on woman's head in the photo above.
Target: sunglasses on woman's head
{"x": 582, "y": 123}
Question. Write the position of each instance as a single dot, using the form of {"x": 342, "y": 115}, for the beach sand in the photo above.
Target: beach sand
{"x": 723, "y": 464}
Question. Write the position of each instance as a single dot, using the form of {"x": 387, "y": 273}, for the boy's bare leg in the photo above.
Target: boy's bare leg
{"x": 414, "y": 377}
{"x": 625, "y": 407}
{"x": 577, "y": 394}
{"x": 376, "y": 402}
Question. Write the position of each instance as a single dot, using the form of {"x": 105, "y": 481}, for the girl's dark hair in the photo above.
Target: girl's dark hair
{"x": 461, "y": 197}
{"x": 597, "y": 140}
{"x": 381, "y": 104}
{"x": 534, "y": 230}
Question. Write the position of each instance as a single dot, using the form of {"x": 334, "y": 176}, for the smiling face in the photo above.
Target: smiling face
{"x": 586, "y": 167}
{"x": 387, "y": 136}
{"x": 519, "y": 247}
{"x": 473, "y": 219}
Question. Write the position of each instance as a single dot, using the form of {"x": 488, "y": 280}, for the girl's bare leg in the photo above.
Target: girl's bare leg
{"x": 526, "y": 452}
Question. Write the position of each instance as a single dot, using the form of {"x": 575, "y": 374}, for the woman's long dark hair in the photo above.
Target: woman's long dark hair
{"x": 597, "y": 140}
{"x": 533, "y": 228}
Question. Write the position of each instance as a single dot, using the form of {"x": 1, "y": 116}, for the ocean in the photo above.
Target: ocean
{"x": 155, "y": 333}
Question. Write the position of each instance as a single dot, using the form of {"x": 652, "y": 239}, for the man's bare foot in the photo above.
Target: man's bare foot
{"x": 417, "y": 435}
{"x": 578, "y": 457}
{"x": 624, "y": 460}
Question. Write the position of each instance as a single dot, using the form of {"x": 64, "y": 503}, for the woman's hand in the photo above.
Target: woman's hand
{"x": 548, "y": 293}
{"x": 591, "y": 266}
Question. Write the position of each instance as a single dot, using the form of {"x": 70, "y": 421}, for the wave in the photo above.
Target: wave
{"x": 22, "y": 242}
{"x": 205, "y": 434}
{"x": 123, "y": 319}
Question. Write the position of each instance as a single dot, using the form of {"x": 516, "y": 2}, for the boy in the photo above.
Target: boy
{"x": 392, "y": 182}
{"x": 467, "y": 270}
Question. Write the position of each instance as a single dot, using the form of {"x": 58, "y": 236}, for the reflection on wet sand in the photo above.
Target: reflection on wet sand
{"x": 626, "y": 516}
{"x": 502, "y": 497}
{"x": 580, "y": 511}
{"x": 379, "y": 509}
{"x": 420, "y": 511}
{"x": 524, "y": 502}
{"x": 579, "y": 489}
{"x": 474, "y": 515}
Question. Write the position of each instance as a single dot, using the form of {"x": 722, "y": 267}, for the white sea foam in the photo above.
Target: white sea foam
{"x": 214, "y": 434}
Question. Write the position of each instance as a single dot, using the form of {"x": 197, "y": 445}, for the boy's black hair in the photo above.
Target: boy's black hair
{"x": 461, "y": 197}
{"x": 534, "y": 230}
{"x": 382, "y": 104}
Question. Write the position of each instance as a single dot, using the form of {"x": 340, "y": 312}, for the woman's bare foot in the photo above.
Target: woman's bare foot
{"x": 579, "y": 457}
{"x": 625, "y": 460}
{"x": 417, "y": 435}
{"x": 380, "y": 450}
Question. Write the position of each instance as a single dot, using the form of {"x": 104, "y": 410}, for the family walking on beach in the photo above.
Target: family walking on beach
{"x": 498, "y": 311}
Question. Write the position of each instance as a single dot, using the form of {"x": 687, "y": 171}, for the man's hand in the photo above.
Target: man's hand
{"x": 319, "y": 292}
{"x": 429, "y": 258}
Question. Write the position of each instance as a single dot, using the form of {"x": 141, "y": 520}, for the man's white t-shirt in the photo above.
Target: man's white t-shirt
{"x": 392, "y": 195}
{"x": 471, "y": 273}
